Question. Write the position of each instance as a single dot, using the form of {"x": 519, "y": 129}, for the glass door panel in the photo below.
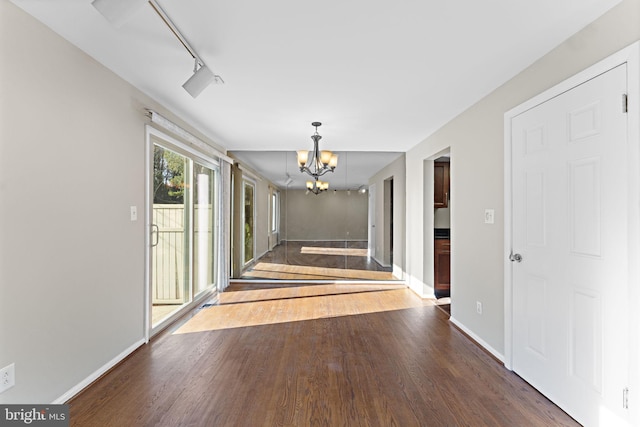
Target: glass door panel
{"x": 170, "y": 218}
{"x": 204, "y": 228}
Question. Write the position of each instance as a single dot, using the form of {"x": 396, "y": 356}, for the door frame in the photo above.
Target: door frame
{"x": 630, "y": 56}
{"x": 387, "y": 219}
{"x": 372, "y": 222}
{"x": 151, "y": 134}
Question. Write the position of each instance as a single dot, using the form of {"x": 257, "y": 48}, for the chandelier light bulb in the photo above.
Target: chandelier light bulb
{"x": 303, "y": 157}
{"x": 325, "y": 157}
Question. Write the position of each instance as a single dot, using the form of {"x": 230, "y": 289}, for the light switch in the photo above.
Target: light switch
{"x": 489, "y": 215}
{"x": 134, "y": 213}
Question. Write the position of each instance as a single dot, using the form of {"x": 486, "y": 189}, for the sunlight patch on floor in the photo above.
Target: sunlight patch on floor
{"x": 333, "y": 251}
{"x": 266, "y": 270}
{"x": 270, "y": 306}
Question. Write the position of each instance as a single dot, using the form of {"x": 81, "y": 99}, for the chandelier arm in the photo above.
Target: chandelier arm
{"x": 305, "y": 169}
{"x": 324, "y": 171}
{"x": 318, "y": 172}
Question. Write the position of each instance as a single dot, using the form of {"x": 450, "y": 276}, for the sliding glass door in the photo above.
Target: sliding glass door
{"x": 171, "y": 219}
{"x": 184, "y": 228}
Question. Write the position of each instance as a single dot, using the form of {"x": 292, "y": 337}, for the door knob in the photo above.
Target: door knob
{"x": 515, "y": 257}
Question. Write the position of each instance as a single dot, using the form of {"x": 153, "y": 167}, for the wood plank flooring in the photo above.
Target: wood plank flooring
{"x": 314, "y": 355}
{"x": 267, "y": 270}
{"x": 319, "y": 260}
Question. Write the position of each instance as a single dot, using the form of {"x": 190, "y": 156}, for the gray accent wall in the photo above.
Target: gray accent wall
{"x": 332, "y": 215}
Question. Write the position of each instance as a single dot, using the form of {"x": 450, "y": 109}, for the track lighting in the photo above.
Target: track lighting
{"x": 202, "y": 77}
{"x": 118, "y": 11}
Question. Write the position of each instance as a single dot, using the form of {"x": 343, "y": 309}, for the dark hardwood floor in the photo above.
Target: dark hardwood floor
{"x": 314, "y": 355}
{"x": 319, "y": 260}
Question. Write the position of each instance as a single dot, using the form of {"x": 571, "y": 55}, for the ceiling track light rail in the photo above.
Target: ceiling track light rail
{"x": 165, "y": 18}
{"x": 118, "y": 11}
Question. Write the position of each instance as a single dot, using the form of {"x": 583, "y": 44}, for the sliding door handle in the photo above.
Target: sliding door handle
{"x": 155, "y": 230}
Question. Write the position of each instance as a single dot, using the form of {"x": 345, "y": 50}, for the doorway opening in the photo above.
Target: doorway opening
{"x": 388, "y": 222}
{"x": 437, "y": 228}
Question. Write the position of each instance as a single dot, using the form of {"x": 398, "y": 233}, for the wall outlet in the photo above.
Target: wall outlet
{"x": 134, "y": 213}
{"x": 7, "y": 377}
{"x": 478, "y": 307}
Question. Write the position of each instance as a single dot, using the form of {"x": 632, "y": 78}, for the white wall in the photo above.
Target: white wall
{"x": 477, "y": 168}
{"x": 263, "y": 228}
{"x": 332, "y": 215}
{"x": 71, "y": 164}
{"x": 395, "y": 170}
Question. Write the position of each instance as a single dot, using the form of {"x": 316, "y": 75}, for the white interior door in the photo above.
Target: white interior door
{"x": 571, "y": 228}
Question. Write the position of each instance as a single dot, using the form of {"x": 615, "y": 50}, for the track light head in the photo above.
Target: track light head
{"x": 202, "y": 78}
{"x": 117, "y": 12}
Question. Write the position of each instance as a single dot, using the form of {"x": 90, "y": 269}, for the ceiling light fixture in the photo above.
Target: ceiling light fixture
{"x": 320, "y": 162}
{"x": 317, "y": 187}
{"x": 202, "y": 77}
{"x": 118, "y": 11}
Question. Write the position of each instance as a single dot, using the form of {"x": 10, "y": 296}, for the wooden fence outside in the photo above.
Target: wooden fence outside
{"x": 169, "y": 273}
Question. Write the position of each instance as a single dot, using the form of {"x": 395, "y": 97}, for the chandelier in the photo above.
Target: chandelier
{"x": 317, "y": 187}
{"x": 319, "y": 162}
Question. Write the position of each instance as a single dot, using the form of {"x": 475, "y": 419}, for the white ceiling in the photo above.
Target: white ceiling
{"x": 379, "y": 75}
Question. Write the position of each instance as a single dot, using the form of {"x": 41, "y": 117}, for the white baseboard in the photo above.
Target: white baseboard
{"x": 323, "y": 240}
{"x": 478, "y": 340}
{"x": 97, "y": 374}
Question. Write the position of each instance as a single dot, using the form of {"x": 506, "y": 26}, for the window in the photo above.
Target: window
{"x": 275, "y": 210}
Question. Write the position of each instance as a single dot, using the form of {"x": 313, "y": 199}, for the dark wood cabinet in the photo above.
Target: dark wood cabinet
{"x": 442, "y": 267}
{"x": 441, "y": 184}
